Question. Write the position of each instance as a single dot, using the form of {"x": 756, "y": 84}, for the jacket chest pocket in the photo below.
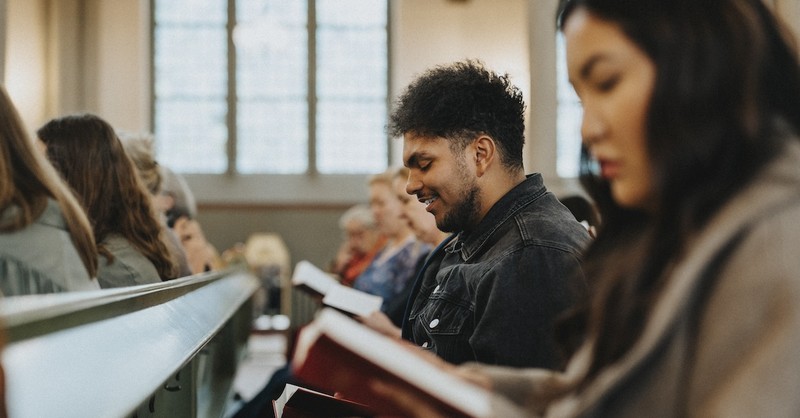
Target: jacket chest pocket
{"x": 445, "y": 315}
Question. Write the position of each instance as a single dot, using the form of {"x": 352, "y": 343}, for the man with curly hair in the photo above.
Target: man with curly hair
{"x": 493, "y": 291}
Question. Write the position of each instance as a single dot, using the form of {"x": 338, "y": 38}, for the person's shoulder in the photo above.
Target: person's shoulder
{"x": 28, "y": 273}
{"x": 117, "y": 244}
{"x": 775, "y": 236}
{"x": 546, "y": 222}
{"x": 47, "y": 232}
{"x": 52, "y": 215}
{"x": 129, "y": 266}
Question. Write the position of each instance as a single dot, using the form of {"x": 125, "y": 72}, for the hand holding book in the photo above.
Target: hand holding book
{"x": 378, "y": 321}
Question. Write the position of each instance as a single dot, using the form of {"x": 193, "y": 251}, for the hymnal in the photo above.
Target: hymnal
{"x": 336, "y": 353}
{"x": 308, "y": 277}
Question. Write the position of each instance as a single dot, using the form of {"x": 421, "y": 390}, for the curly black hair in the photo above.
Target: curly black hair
{"x": 460, "y": 101}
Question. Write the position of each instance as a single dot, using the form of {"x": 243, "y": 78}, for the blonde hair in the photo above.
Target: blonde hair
{"x": 384, "y": 177}
{"x": 401, "y": 172}
{"x": 388, "y": 176}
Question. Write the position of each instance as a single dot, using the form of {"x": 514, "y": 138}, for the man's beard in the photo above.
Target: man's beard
{"x": 465, "y": 213}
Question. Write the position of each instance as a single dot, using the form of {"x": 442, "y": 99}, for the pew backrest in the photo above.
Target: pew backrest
{"x": 163, "y": 350}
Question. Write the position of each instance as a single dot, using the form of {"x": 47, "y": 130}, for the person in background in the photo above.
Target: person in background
{"x": 389, "y": 320}
{"x": 362, "y": 242}
{"x": 87, "y": 152}
{"x": 46, "y": 241}
{"x": 388, "y": 275}
{"x": 139, "y": 147}
{"x": 201, "y": 255}
{"x": 176, "y": 198}
{"x": 493, "y": 292}
{"x": 692, "y": 110}
{"x": 176, "y": 207}
{"x": 584, "y": 211}
{"x": 421, "y": 222}
{"x": 177, "y": 201}
{"x": 392, "y": 268}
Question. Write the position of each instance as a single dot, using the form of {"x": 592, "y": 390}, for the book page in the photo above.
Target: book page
{"x": 352, "y": 301}
{"x": 306, "y": 273}
{"x": 280, "y": 403}
{"x": 301, "y": 401}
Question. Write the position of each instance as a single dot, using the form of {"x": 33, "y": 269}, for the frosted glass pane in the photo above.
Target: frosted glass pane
{"x": 266, "y": 72}
{"x": 191, "y": 136}
{"x": 351, "y": 137}
{"x": 191, "y": 11}
{"x": 353, "y": 13}
{"x": 286, "y": 12}
{"x": 272, "y": 137}
{"x": 271, "y": 47}
{"x": 570, "y": 114}
{"x": 351, "y": 63}
{"x": 190, "y": 62}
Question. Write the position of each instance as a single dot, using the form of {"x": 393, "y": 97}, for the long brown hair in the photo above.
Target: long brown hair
{"x": 727, "y": 78}
{"x": 28, "y": 180}
{"x": 90, "y": 156}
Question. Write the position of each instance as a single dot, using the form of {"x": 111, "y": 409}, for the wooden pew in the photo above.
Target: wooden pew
{"x": 161, "y": 350}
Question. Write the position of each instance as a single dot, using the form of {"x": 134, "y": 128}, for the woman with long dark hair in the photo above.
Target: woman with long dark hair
{"x": 90, "y": 156}
{"x": 690, "y": 129}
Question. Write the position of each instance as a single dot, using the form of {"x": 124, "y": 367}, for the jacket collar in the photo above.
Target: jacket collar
{"x": 471, "y": 243}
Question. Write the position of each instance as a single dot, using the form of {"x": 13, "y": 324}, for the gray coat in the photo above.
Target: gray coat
{"x": 723, "y": 338}
{"x": 41, "y": 258}
{"x": 129, "y": 267}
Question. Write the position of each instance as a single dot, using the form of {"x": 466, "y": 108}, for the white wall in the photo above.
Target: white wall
{"x": 426, "y": 33}
{"x": 122, "y": 63}
{"x": 67, "y": 56}
{"x": 25, "y": 59}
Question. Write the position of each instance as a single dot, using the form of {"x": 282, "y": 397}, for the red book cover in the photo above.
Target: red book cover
{"x": 336, "y": 353}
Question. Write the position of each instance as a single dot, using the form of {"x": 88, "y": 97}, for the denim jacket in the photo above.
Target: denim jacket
{"x": 492, "y": 295}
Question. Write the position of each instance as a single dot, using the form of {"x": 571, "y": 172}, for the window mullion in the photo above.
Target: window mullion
{"x": 389, "y": 148}
{"x": 312, "y": 87}
{"x": 232, "y": 99}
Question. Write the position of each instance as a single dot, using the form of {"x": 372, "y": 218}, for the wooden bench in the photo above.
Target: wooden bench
{"x": 162, "y": 350}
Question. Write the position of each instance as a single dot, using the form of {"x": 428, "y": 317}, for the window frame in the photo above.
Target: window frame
{"x": 542, "y": 156}
{"x": 311, "y": 188}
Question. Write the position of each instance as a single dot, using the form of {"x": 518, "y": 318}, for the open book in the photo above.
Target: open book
{"x": 336, "y": 353}
{"x": 296, "y": 401}
{"x": 311, "y": 279}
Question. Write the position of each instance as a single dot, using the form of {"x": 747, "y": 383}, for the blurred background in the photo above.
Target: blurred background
{"x": 274, "y": 111}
